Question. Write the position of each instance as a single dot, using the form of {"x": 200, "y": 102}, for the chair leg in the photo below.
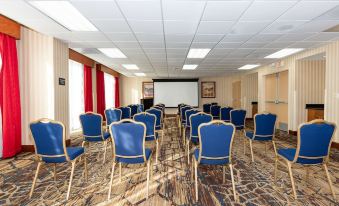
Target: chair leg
{"x": 184, "y": 134}
{"x": 111, "y": 181}
{"x": 245, "y": 146}
{"x": 233, "y": 184}
{"x": 251, "y": 146}
{"x": 329, "y": 180}
{"x": 85, "y": 164}
{"x": 188, "y": 152}
{"x": 266, "y": 148}
{"x": 192, "y": 169}
{"x": 70, "y": 179}
{"x": 55, "y": 174}
{"x": 275, "y": 169}
{"x": 105, "y": 149}
{"x": 223, "y": 174}
{"x": 162, "y": 136}
{"x": 34, "y": 180}
{"x": 119, "y": 171}
{"x": 196, "y": 179}
{"x": 292, "y": 180}
{"x": 156, "y": 151}
{"x": 148, "y": 168}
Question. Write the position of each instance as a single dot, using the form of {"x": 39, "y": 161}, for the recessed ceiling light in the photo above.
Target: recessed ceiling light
{"x": 65, "y": 14}
{"x": 140, "y": 74}
{"x": 131, "y": 66}
{"x": 284, "y": 53}
{"x": 112, "y": 52}
{"x": 190, "y": 66}
{"x": 249, "y": 66}
{"x": 197, "y": 53}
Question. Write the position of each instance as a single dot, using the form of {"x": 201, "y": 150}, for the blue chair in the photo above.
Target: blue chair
{"x": 158, "y": 124}
{"x": 179, "y": 107}
{"x": 183, "y": 118}
{"x": 134, "y": 109}
{"x": 92, "y": 131}
{"x": 50, "y": 148}
{"x": 112, "y": 115}
{"x": 313, "y": 148}
{"x": 140, "y": 108}
{"x": 195, "y": 121}
{"x": 206, "y": 108}
{"x": 225, "y": 114}
{"x": 149, "y": 120}
{"x": 215, "y": 148}
{"x": 214, "y": 103}
{"x": 128, "y": 139}
{"x": 215, "y": 111}
{"x": 264, "y": 130}
{"x": 238, "y": 117}
{"x": 126, "y": 112}
{"x": 188, "y": 124}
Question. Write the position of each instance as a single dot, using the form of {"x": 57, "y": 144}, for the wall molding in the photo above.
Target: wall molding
{"x": 76, "y": 56}
{"x": 9, "y": 27}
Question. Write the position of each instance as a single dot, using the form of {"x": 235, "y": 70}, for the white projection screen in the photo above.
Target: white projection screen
{"x": 172, "y": 92}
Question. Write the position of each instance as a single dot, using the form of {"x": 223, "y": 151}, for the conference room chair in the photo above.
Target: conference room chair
{"x": 214, "y": 103}
{"x": 112, "y": 115}
{"x": 264, "y": 130}
{"x": 140, "y": 108}
{"x": 183, "y": 118}
{"x": 215, "y": 111}
{"x": 128, "y": 137}
{"x": 206, "y": 108}
{"x": 225, "y": 114}
{"x": 50, "y": 148}
{"x": 195, "y": 121}
{"x": 188, "y": 125}
{"x": 313, "y": 149}
{"x": 149, "y": 120}
{"x": 92, "y": 131}
{"x": 134, "y": 109}
{"x": 158, "y": 123}
{"x": 215, "y": 149}
{"x": 179, "y": 111}
{"x": 238, "y": 117}
{"x": 125, "y": 112}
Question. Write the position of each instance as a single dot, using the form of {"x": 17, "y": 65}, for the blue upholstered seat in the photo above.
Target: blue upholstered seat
{"x": 188, "y": 115}
{"x": 238, "y": 117}
{"x": 149, "y": 120}
{"x": 137, "y": 160}
{"x": 125, "y": 112}
{"x": 106, "y": 135}
{"x": 112, "y": 115}
{"x": 158, "y": 114}
{"x": 264, "y": 127}
{"x": 91, "y": 124}
{"x": 183, "y": 114}
{"x": 206, "y": 108}
{"x": 215, "y": 111}
{"x": 210, "y": 161}
{"x": 249, "y": 135}
{"x": 140, "y": 108}
{"x": 73, "y": 152}
{"x": 134, "y": 109}
{"x": 225, "y": 114}
{"x": 289, "y": 154}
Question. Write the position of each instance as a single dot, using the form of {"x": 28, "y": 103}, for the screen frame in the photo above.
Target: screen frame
{"x": 181, "y": 80}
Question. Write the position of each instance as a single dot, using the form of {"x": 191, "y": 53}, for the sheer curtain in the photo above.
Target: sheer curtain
{"x": 76, "y": 94}
{"x": 109, "y": 90}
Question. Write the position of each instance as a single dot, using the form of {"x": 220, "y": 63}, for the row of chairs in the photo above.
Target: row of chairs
{"x": 215, "y": 142}
{"x": 50, "y": 141}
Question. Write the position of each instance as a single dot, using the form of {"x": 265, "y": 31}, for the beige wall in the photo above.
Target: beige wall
{"x": 249, "y": 92}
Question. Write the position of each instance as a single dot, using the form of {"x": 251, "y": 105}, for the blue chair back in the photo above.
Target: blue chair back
{"x": 91, "y": 124}
{"x": 183, "y": 113}
{"x": 128, "y": 138}
{"x": 206, "y": 108}
{"x": 49, "y": 137}
{"x": 264, "y": 125}
{"x": 140, "y": 108}
{"x": 126, "y": 112}
{"x": 179, "y": 107}
{"x": 214, "y": 103}
{"x": 225, "y": 114}
{"x": 215, "y": 111}
{"x": 238, "y": 117}
{"x": 149, "y": 120}
{"x": 216, "y": 140}
{"x": 158, "y": 114}
{"x": 134, "y": 109}
{"x": 188, "y": 115}
{"x": 162, "y": 109}
{"x": 112, "y": 115}
{"x": 314, "y": 139}
{"x": 196, "y": 120}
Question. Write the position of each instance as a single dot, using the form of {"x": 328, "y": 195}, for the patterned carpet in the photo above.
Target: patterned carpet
{"x": 171, "y": 183}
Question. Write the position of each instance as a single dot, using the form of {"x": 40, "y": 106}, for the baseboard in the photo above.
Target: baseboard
{"x": 30, "y": 148}
{"x": 291, "y": 132}
{"x": 249, "y": 118}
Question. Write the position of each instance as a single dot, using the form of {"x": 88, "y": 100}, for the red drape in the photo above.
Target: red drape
{"x": 88, "y": 95}
{"x": 100, "y": 92}
{"x": 117, "y": 95}
{"x": 10, "y": 97}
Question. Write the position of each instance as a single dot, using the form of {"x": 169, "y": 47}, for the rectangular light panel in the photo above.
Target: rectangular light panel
{"x": 249, "y": 66}
{"x": 112, "y": 52}
{"x": 140, "y": 74}
{"x": 65, "y": 14}
{"x": 197, "y": 53}
{"x": 284, "y": 53}
{"x": 189, "y": 66}
{"x": 131, "y": 66}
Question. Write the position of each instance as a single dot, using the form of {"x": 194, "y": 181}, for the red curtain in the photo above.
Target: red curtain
{"x": 88, "y": 95}
{"x": 117, "y": 95}
{"x": 100, "y": 92}
{"x": 10, "y": 97}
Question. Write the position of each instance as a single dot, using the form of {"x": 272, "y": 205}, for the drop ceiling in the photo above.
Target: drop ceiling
{"x": 156, "y": 35}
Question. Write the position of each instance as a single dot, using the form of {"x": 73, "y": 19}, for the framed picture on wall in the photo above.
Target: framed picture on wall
{"x": 147, "y": 90}
{"x": 208, "y": 89}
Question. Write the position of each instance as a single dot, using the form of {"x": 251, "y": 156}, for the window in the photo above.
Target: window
{"x": 76, "y": 94}
{"x": 109, "y": 90}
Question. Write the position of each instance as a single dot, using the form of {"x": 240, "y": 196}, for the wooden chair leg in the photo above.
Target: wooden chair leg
{"x": 120, "y": 171}
{"x": 251, "y": 146}
{"x": 148, "y": 168}
{"x": 105, "y": 149}
{"x": 70, "y": 180}
{"x": 292, "y": 180}
{"x": 111, "y": 181}
{"x": 329, "y": 180}
{"x": 85, "y": 164}
{"x": 245, "y": 146}
{"x": 223, "y": 174}
{"x": 196, "y": 179}
{"x": 156, "y": 151}
{"x": 192, "y": 169}
{"x": 55, "y": 174}
{"x": 275, "y": 169}
{"x": 188, "y": 152}
{"x": 233, "y": 183}
{"x": 266, "y": 148}
{"x": 35, "y": 178}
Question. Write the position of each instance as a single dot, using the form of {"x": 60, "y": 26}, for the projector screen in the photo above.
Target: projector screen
{"x": 173, "y": 92}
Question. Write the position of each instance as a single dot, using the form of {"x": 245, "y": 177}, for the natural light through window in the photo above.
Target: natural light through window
{"x": 76, "y": 94}
{"x": 109, "y": 90}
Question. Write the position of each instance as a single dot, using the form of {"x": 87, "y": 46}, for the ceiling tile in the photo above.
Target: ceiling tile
{"x": 149, "y": 27}
{"x": 281, "y": 27}
{"x": 126, "y": 36}
{"x": 98, "y": 9}
{"x": 236, "y": 38}
{"x": 214, "y": 27}
{"x": 265, "y": 37}
{"x": 250, "y": 27}
{"x": 183, "y": 10}
{"x": 141, "y": 10}
{"x": 180, "y": 27}
{"x": 208, "y": 38}
{"x": 111, "y": 25}
{"x": 224, "y": 10}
